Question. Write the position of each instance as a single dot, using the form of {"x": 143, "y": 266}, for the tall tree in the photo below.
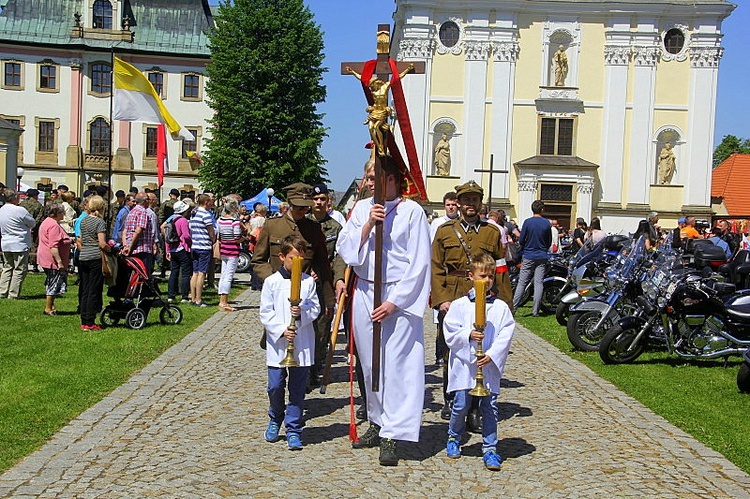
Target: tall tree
{"x": 264, "y": 83}
{"x": 730, "y": 144}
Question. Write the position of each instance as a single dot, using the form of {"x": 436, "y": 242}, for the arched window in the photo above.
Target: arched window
{"x": 99, "y": 139}
{"x": 102, "y": 14}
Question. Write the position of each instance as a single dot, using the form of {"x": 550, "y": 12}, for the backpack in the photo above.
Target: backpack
{"x": 170, "y": 233}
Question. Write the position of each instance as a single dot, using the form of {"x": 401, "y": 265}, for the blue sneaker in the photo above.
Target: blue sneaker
{"x": 294, "y": 442}
{"x": 453, "y": 448}
{"x": 272, "y": 432}
{"x": 492, "y": 460}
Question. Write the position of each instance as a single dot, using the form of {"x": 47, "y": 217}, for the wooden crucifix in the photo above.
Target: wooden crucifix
{"x": 377, "y": 74}
{"x": 491, "y": 172}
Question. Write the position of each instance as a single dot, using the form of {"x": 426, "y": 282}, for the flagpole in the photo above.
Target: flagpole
{"x": 111, "y": 136}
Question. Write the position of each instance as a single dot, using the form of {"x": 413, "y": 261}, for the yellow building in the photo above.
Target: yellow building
{"x": 572, "y": 102}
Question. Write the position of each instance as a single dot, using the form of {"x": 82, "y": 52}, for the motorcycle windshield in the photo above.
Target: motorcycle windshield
{"x": 587, "y": 253}
{"x": 626, "y": 267}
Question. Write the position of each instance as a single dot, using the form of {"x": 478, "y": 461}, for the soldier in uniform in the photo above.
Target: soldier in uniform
{"x": 455, "y": 245}
{"x": 265, "y": 258}
{"x": 331, "y": 229}
{"x": 35, "y": 208}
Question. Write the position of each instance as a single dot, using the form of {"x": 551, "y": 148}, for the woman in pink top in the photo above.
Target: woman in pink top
{"x": 230, "y": 235}
{"x": 53, "y": 255}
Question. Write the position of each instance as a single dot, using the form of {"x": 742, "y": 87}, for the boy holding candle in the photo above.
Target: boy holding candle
{"x": 477, "y": 317}
{"x": 288, "y": 294}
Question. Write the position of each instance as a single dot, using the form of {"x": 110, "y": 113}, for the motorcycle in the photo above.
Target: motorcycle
{"x": 586, "y": 273}
{"x": 699, "y": 317}
{"x": 590, "y": 319}
{"x": 743, "y": 376}
{"x": 243, "y": 260}
{"x": 555, "y": 278}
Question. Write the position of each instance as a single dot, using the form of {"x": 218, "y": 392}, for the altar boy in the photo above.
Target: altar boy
{"x": 275, "y": 315}
{"x": 462, "y": 338}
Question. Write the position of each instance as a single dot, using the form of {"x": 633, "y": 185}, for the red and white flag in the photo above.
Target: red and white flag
{"x": 162, "y": 162}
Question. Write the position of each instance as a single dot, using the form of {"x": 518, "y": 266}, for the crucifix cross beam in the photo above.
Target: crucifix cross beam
{"x": 491, "y": 171}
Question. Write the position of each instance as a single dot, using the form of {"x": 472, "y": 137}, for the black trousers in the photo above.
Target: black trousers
{"x": 91, "y": 287}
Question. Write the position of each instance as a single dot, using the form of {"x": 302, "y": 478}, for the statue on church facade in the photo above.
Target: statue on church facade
{"x": 561, "y": 66}
{"x": 443, "y": 157}
{"x": 667, "y": 164}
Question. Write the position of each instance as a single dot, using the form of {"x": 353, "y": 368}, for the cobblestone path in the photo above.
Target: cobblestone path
{"x": 191, "y": 423}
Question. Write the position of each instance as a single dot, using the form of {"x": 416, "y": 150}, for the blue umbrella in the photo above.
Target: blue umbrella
{"x": 262, "y": 197}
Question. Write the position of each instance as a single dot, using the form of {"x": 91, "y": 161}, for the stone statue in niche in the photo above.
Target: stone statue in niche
{"x": 560, "y": 60}
{"x": 667, "y": 164}
{"x": 443, "y": 156}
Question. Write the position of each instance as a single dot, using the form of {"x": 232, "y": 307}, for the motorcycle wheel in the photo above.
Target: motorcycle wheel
{"x": 743, "y": 378}
{"x": 614, "y": 345}
{"x": 580, "y": 330}
{"x": 562, "y": 313}
{"x": 243, "y": 262}
{"x": 551, "y": 297}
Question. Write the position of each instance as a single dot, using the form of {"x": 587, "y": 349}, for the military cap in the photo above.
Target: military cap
{"x": 120, "y": 193}
{"x": 319, "y": 189}
{"x": 469, "y": 187}
{"x": 32, "y": 193}
{"x": 174, "y": 192}
{"x": 299, "y": 194}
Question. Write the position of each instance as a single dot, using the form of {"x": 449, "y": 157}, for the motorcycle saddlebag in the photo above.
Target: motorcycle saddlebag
{"x": 615, "y": 241}
{"x": 709, "y": 256}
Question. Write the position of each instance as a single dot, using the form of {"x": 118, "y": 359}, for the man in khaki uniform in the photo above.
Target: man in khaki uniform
{"x": 35, "y": 208}
{"x": 456, "y": 243}
{"x": 265, "y": 258}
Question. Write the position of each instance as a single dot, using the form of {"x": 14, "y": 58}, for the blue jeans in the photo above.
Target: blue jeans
{"x": 292, "y": 416}
{"x": 461, "y": 406}
{"x": 529, "y": 268}
{"x": 182, "y": 263}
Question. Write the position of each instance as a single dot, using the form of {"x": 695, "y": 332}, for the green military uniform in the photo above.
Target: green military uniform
{"x": 34, "y": 207}
{"x": 36, "y": 210}
{"x": 265, "y": 257}
{"x": 167, "y": 209}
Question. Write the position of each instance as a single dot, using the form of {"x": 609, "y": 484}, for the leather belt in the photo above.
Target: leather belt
{"x": 459, "y": 273}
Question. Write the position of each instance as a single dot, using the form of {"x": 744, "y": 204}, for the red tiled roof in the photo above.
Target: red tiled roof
{"x": 730, "y": 181}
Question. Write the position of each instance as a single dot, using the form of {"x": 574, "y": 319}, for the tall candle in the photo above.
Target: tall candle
{"x": 480, "y": 288}
{"x": 296, "y": 278}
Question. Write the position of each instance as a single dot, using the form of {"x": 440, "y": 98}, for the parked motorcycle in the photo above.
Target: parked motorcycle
{"x": 590, "y": 319}
{"x": 586, "y": 273}
{"x": 699, "y": 317}
{"x": 243, "y": 260}
{"x": 743, "y": 376}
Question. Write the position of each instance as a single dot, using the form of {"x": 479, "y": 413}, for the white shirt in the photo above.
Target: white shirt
{"x": 336, "y": 215}
{"x": 555, "y": 240}
{"x": 462, "y": 364}
{"x": 15, "y": 228}
{"x": 276, "y": 316}
{"x": 437, "y": 222}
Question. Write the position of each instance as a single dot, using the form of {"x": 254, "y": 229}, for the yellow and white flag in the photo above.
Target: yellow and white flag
{"x": 136, "y": 100}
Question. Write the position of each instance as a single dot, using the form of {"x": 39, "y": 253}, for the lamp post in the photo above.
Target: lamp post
{"x": 270, "y": 193}
{"x": 19, "y": 175}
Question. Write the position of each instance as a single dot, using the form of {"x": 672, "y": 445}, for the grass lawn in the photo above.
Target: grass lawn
{"x": 698, "y": 396}
{"x": 51, "y": 371}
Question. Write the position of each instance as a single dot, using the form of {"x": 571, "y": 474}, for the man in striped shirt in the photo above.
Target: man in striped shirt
{"x": 139, "y": 233}
{"x": 203, "y": 233}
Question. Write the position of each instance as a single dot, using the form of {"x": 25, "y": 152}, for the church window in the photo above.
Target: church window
{"x": 190, "y": 146}
{"x": 151, "y": 142}
{"x": 191, "y": 87}
{"x": 99, "y": 136}
{"x": 12, "y": 74}
{"x": 102, "y": 14}
{"x": 101, "y": 78}
{"x": 674, "y": 41}
{"x": 556, "y": 136}
{"x": 449, "y": 34}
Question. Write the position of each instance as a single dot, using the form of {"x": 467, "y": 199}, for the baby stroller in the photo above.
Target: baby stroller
{"x": 134, "y": 295}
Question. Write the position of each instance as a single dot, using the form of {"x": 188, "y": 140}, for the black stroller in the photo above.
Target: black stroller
{"x": 134, "y": 294}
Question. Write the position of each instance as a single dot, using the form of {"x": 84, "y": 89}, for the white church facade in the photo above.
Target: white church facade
{"x": 598, "y": 108}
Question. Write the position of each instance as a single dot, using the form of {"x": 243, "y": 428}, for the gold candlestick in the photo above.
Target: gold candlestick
{"x": 294, "y": 301}
{"x": 289, "y": 360}
{"x": 480, "y": 291}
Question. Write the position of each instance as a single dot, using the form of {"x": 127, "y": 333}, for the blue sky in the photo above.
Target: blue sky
{"x": 349, "y": 32}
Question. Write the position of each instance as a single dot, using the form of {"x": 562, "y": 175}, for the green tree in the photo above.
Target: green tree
{"x": 264, "y": 83}
{"x": 730, "y": 144}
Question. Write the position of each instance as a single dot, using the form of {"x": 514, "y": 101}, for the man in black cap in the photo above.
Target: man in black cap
{"x": 265, "y": 258}
{"x": 35, "y": 208}
{"x": 331, "y": 229}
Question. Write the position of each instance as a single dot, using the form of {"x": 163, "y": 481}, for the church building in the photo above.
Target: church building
{"x": 55, "y": 65}
{"x": 599, "y": 108}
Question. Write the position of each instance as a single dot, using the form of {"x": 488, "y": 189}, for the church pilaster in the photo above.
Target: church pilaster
{"x": 475, "y": 91}
{"x": 504, "y": 56}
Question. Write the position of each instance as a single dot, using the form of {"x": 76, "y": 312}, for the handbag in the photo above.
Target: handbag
{"x": 109, "y": 268}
